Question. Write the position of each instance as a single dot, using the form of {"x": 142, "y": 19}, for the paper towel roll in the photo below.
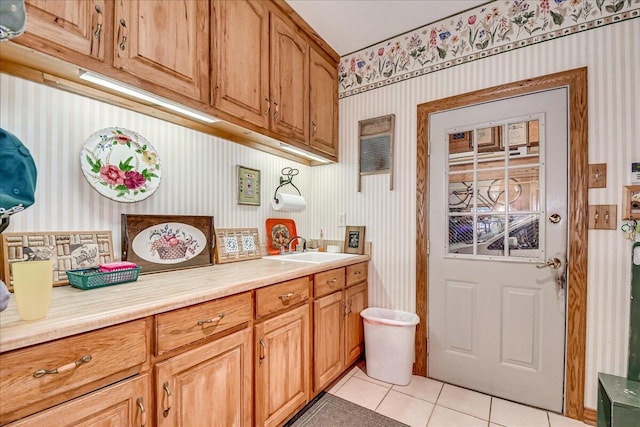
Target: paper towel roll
{"x": 288, "y": 202}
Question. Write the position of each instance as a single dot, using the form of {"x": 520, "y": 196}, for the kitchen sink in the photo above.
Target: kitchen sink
{"x": 311, "y": 257}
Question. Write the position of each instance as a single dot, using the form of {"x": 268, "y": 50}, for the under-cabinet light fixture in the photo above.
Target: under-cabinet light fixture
{"x": 144, "y": 96}
{"x": 302, "y": 153}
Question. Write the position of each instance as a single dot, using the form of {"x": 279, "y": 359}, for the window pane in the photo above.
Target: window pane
{"x": 504, "y": 192}
{"x": 461, "y": 234}
{"x": 460, "y": 196}
{"x": 528, "y": 180}
{"x": 485, "y": 203}
{"x": 490, "y": 231}
{"x": 524, "y": 236}
{"x": 460, "y": 151}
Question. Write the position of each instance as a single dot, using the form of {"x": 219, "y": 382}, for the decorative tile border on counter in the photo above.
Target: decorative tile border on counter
{"x": 495, "y": 28}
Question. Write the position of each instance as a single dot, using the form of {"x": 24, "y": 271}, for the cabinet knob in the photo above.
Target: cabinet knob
{"x": 268, "y": 107}
{"x": 275, "y": 113}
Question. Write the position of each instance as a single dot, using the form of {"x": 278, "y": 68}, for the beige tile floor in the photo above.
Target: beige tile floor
{"x": 428, "y": 403}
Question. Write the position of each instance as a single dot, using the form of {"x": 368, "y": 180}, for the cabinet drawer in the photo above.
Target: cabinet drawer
{"x": 46, "y": 374}
{"x": 186, "y": 325}
{"x": 274, "y": 298}
{"x": 328, "y": 281}
{"x": 357, "y": 273}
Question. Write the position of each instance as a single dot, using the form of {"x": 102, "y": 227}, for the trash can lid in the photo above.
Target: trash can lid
{"x": 387, "y": 316}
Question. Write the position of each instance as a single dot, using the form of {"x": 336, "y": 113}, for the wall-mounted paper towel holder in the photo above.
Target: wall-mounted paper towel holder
{"x": 289, "y": 173}
{"x": 288, "y": 202}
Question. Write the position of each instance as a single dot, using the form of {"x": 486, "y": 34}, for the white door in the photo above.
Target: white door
{"x": 497, "y": 215}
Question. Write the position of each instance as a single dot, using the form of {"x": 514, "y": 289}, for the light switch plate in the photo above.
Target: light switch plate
{"x": 603, "y": 217}
{"x": 598, "y": 175}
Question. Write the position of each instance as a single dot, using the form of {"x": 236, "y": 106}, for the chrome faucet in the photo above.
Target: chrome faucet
{"x": 303, "y": 243}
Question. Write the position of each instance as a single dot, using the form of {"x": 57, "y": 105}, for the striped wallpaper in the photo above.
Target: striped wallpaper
{"x": 199, "y": 170}
{"x": 614, "y": 131}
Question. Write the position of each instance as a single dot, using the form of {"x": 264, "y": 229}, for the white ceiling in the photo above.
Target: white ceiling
{"x": 351, "y": 25}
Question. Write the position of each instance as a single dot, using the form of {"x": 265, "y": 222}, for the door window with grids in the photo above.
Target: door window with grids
{"x": 496, "y": 200}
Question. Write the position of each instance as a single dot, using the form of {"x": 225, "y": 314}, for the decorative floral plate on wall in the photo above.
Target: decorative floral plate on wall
{"x": 121, "y": 165}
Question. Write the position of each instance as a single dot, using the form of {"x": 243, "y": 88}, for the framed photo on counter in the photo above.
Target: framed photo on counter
{"x": 354, "y": 240}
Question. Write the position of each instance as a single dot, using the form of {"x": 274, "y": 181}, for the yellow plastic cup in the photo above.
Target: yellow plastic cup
{"x": 32, "y": 286}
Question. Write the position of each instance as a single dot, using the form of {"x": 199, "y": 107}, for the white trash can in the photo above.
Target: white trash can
{"x": 389, "y": 344}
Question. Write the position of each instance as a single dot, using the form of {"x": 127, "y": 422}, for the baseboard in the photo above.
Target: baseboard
{"x": 589, "y": 416}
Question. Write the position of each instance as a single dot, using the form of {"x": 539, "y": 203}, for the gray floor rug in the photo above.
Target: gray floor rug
{"x": 327, "y": 410}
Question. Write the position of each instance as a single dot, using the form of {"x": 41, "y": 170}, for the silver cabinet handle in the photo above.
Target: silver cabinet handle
{"x": 123, "y": 39}
{"x": 263, "y": 348}
{"x": 268, "y": 107}
{"x": 142, "y": 411}
{"x": 166, "y": 401}
{"x": 64, "y": 368}
{"x": 215, "y": 319}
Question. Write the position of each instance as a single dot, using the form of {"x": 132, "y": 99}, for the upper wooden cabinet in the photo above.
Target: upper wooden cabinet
{"x": 286, "y": 86}
{"x": 78, "y": 26}
{"x": 255, "y": 64}
{"x": 289, "y": 81}
{"x": 166, "y": 43}
{"x": 323, "y": 83}
{"x": 240, "y": 60}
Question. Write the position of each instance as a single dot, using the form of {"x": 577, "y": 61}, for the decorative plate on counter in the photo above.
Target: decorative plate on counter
{"x": 279, "y": 233}
{"x": 121, "y": 165}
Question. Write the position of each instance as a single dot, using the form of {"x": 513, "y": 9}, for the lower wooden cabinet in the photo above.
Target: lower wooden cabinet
{"x": 356, "y": 301}
{"x": 328, "y": 339}
{"x": 338, "y": 331}
{"x": 281, "y": 366}
{"x": 210, "y": 385}
{"x": 123, "y": 404}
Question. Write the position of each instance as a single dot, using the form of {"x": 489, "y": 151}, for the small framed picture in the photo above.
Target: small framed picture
{"x": 354, "y": 240}
{"x": 631, "y": 202}
{"x": 248, "y": 186}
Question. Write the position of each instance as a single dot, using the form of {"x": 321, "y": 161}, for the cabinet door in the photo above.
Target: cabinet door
{"x": 282, "y": 366}
{"x": 356, "y": 297}
{"x": 241, "y": 60}
{"x": 123, "y": 404}
{"x": 165, "y": 43}
{"x": 77, "y": 25}
{"x": 208, "y": 386}
{"x": 328, "y": 339}
{"x": 323, "y": 82}
{"x": 289, "y": 81}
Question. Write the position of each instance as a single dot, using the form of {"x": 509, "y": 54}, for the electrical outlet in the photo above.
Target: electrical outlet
{"x": 342, "y": 219}
{"x": 603, "y": 217}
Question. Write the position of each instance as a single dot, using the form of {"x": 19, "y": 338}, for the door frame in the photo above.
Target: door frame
{"x": 577, "y": 250}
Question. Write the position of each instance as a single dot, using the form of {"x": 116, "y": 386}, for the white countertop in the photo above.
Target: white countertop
{"x": 74, "y": 311}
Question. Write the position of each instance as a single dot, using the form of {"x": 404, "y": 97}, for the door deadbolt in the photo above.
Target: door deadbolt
{"x": 554, "y": 218}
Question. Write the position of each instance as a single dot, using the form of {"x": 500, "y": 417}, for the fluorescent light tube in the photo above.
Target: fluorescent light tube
{"x": 144, "y": 96}
{"x": 303, "y": 153}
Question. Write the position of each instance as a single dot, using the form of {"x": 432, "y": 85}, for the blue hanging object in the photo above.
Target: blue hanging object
{"x": 18, "y": 176}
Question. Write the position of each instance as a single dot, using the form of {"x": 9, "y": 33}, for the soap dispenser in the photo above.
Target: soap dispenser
{"x": 321, "y": 242}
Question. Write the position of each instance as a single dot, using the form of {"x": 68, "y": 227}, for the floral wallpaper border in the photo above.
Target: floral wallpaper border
{"x": 494, "y": 28}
